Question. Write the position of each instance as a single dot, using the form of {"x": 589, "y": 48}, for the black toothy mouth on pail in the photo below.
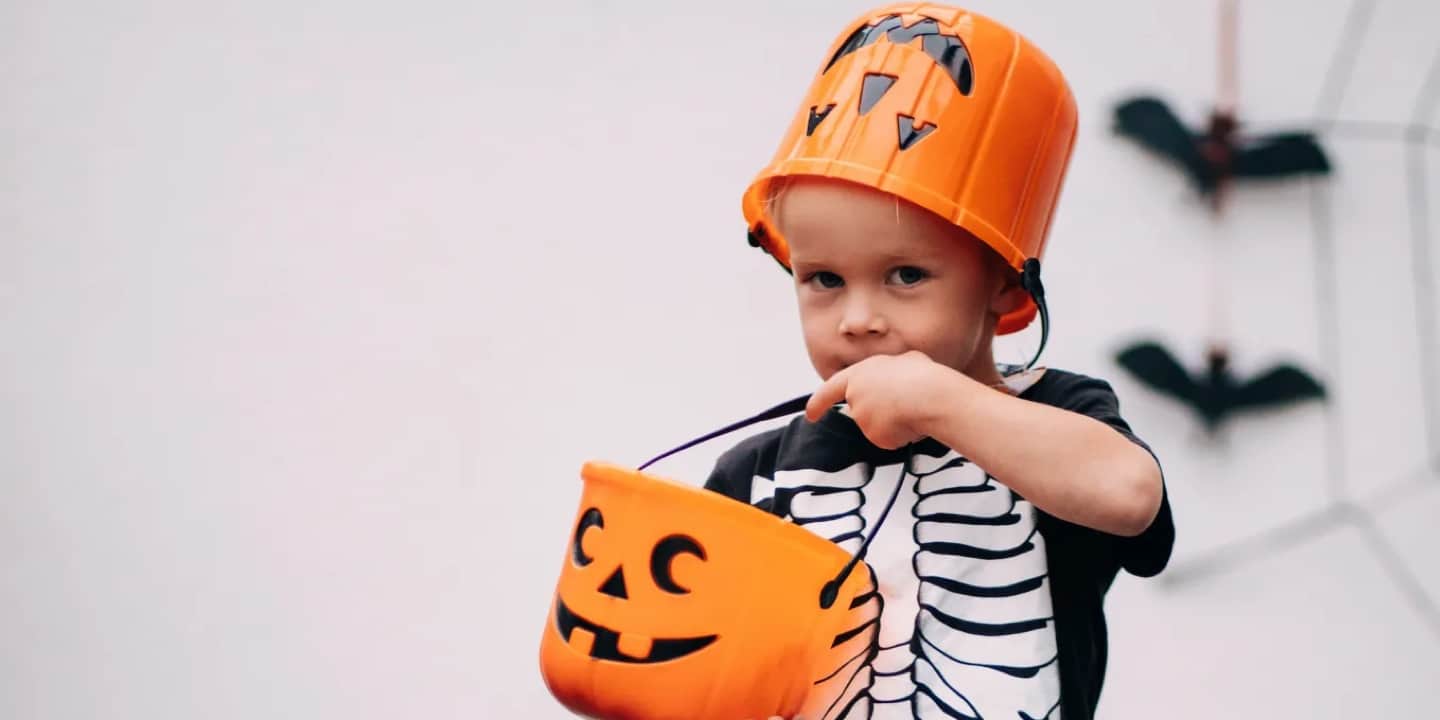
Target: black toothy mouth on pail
{"x": 606, "y": 643}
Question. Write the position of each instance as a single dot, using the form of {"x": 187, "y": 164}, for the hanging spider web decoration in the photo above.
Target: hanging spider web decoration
{"x": 1416, "y": 138}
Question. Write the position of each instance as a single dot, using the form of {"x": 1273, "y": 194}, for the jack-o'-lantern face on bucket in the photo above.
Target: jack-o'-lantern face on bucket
{"x": 674, "y": 601}
{"x": 621, "y": 644}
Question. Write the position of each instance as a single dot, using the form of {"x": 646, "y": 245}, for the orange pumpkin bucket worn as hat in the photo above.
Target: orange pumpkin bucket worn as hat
{"x": 947, "y": 109}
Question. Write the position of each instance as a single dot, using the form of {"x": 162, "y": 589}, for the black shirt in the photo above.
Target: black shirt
{"x": 1081, "y": 563}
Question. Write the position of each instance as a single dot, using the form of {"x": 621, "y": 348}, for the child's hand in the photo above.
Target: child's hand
{"x": 890, "y": 396}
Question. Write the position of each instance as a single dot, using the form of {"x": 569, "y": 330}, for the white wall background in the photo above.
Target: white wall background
{"x": 309, "y": 314}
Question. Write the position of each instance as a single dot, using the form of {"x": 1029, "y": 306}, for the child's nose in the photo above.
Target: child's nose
{"x": 861, "y": 317}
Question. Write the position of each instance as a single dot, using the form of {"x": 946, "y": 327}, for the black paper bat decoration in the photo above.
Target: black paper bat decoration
{"x": 1213, "y": 157}
{"x": 1217, "y": 393}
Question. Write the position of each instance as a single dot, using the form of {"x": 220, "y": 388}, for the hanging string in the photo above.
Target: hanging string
{"x": 1227, "y": 102}
{"x": 1227, "y": 93}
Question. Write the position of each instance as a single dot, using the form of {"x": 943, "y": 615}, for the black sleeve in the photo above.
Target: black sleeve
{"x": 1145, "y": 554}
{"x": 737, "y": 467}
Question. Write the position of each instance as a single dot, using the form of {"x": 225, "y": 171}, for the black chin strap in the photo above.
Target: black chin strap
{"x": 1030, "y": 281}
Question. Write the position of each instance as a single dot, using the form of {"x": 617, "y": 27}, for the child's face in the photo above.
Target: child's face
{"x": 874, "y": 276}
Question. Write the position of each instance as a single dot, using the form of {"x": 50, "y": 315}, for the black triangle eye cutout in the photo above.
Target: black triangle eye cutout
{"x": 909, "y": 134}
{"x": 816, "y": 117}
{"x": 874, "y": 88}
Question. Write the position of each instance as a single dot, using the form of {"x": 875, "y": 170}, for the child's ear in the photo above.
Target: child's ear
{"x": 1010, "y": 297}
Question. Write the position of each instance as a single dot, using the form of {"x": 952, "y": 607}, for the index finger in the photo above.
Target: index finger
{"x": 831, "y": 392}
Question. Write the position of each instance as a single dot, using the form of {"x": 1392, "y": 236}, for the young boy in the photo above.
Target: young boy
{"x": 910, "y": 200}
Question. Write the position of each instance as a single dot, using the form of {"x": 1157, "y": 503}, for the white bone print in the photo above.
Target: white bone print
{"x": 965, "y": 627}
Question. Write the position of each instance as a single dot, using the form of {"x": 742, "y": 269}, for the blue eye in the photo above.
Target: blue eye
{"x": 908, "y": 275}
{"x": 827, "y": 279}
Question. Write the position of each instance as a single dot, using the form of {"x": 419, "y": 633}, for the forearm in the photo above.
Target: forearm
{"x": 1069, "y": 465}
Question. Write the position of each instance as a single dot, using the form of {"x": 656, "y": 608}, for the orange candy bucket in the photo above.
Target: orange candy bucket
{"x": 677, "y": 602}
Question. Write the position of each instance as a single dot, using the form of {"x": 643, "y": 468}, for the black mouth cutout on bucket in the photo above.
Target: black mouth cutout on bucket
{"x": 607, "y": 641}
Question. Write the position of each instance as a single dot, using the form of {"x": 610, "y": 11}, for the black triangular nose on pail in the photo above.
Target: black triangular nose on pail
{"x": 615, "y": 585}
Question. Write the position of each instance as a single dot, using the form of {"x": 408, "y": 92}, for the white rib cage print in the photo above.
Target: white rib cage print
{"x": 957, "y": 622}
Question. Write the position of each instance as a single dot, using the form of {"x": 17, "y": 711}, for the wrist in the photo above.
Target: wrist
{"x": 948, "y": 389}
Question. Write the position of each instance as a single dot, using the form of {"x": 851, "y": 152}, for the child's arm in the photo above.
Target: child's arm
{"x": 1071, "y": 466}
{"x": 1067, "y": 464}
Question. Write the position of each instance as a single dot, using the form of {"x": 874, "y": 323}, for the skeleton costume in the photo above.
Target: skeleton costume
{"x": 982, "y": 605}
